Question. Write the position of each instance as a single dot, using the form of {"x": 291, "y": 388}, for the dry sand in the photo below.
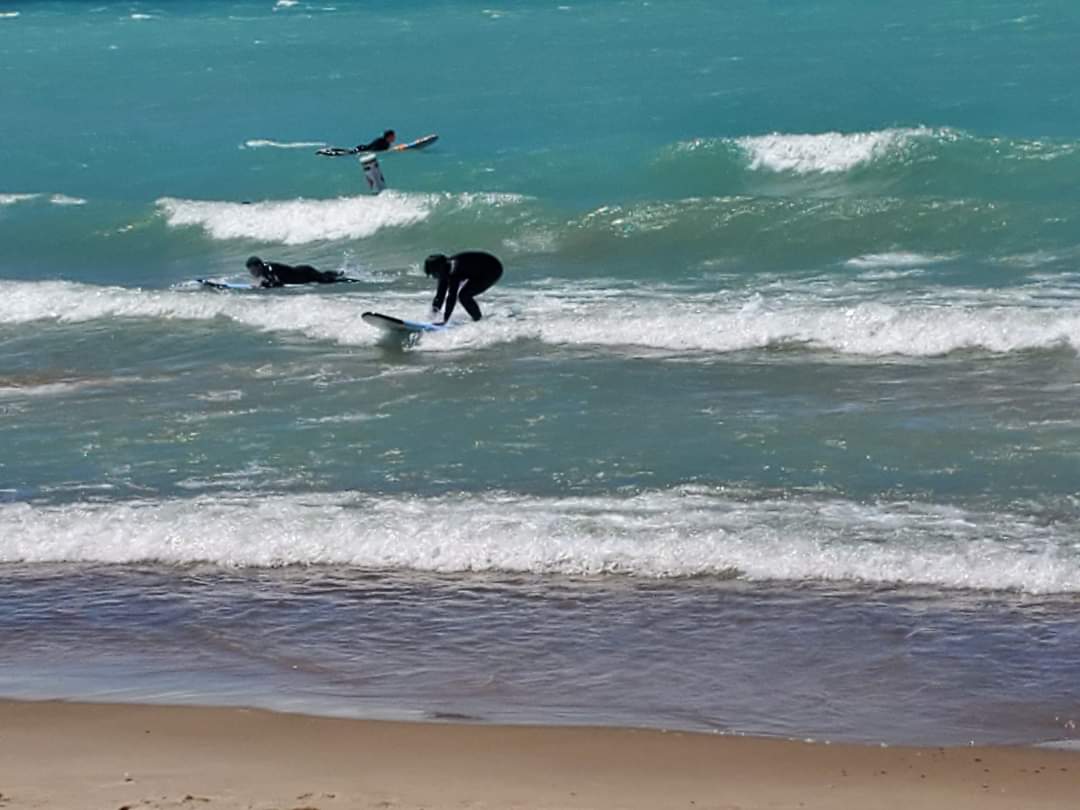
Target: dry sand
{"x": 70, "y": 755}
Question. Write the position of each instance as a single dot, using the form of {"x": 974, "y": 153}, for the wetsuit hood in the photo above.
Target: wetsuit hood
{"x": 436, "y": 264}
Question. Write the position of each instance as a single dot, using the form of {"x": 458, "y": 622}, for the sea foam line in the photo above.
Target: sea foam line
{"x": 335, "y": 318}
{"x": 693, "y": 531}
{"x": 666, "y": 322}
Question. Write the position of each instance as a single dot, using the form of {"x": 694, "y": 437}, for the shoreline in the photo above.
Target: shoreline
{"x": 74, "y": 755}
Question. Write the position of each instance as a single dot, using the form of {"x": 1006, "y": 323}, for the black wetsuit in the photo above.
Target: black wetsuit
{"x": 380, "y": 144}
{"x": 276, "y": 274}
{"x": 470, "y": 274}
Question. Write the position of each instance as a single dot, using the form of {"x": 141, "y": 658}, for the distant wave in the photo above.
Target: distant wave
{"x": 812, "y": 153}
{"x": 297, "y": 222}
{"x": 781, "y": 231}
{"x": 928, "y": 325}
{"x": 828, "y": 152}
{"x": 941, "y": 161}
{"x": 263, "y": 143}
{"x": 300, "y": 221}
{"x": 8, "y": 15}
{"x": 682, "y": 532}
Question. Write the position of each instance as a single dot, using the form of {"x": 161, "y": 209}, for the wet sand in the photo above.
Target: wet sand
{"x": 71, "y": 755}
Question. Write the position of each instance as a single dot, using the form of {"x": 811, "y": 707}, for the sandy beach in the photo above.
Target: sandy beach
{"x": 71, "y": 755}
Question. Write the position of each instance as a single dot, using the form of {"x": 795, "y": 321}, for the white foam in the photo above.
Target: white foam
{"x": 264, "y": 143}
{"x": 8, "y": 15}
{"x": 138, "y": 16}
{"x": 335, "y": 317}
{"x": 55, "y": 199}
{"x": 63, "y": 199}
{"x": 899, "y": 259}
{"x": 668, "y": 321}
{"x": 696, "y": 324}
{"x": 285, "y": 4}
{"x": 669, "y": 533}
{"x": 300, "y": 221}
{"x": 827, "y": 152}
{"x": 11, "y": 199}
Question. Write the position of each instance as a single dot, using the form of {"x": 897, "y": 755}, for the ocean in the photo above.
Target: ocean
{"x": 770, "y": 427}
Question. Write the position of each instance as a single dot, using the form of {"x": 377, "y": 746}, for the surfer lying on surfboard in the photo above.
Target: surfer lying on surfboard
{"x": 380, "y": 144}
{"x": 462, "y": 276}
{"x": 276, "y": 274}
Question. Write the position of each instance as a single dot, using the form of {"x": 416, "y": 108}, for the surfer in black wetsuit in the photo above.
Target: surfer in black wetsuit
{"x": 463, "y": 275}
{"x": 276, "y": 274}
{"x": 380, "y": 144}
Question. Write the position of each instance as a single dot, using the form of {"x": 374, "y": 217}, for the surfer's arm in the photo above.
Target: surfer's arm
{"x": 451, "y": 299}
{"x": 440, "y": 293}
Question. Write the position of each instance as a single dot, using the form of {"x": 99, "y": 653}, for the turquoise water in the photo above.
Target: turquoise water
{"x": 790, "y": 324}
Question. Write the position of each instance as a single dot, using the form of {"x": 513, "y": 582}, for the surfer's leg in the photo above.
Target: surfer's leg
{"x": 476, "y": 285}
{"x": 465, "y": 296}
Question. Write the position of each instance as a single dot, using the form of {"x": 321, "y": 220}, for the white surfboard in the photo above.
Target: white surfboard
{"x": 388, "y": 323}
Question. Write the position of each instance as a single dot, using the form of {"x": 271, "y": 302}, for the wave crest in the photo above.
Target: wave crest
{"x": 302, "y": 221}
{"x": 828, "y": 152}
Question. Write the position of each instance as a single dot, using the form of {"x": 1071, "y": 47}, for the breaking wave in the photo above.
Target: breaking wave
{"x": 943, "y": 162}
{"x": 681, "y": 532}
{"x": 302, "y": 221}
{"x": 608, "y": 318}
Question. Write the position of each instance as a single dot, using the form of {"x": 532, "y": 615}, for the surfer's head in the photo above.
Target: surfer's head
{"x": 390, "y": 135}
{"x": 256, "y": 267}
{"x": 436, "y": 264}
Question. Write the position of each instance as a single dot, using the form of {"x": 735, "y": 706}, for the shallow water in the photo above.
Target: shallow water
{"x": 851, "y": 664}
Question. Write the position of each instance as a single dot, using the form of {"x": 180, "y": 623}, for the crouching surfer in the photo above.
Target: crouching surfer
{"x": 462, "y": 276}
{"x": 276, "y": 274}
